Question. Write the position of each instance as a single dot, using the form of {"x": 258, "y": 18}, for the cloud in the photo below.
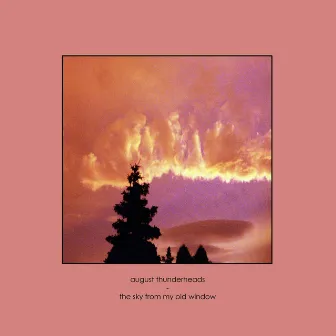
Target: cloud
{"x": 194, "y": 117}
{"x": 225, "y": 240}
{"x": 166, "y": 146}
{"x": 205, "y": 231}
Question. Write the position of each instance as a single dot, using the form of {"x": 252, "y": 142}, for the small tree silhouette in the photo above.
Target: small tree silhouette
{"x": 168, "y": 259}
{"x": 131, "y": 244}
{"x": 201, "y": 256}
{"x": 183, "y": 256}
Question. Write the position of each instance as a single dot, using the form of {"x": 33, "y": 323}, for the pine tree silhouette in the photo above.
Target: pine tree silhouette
{"x": 183, "y": 256}
{"x": 168, "y": 259}
{"x": 201, "y": 256}
{"x": 131, "y": 244}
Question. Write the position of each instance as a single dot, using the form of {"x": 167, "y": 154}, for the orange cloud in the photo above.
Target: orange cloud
{"x": 163, "y": 146}
{"x": 118, "y": 110}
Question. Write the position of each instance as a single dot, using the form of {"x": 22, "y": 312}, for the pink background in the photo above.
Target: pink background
{"x": 43, "y": 297}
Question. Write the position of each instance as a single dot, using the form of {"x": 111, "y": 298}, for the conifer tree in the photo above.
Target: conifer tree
{"x": 168, "y": 259}
{"x": 201, "y": 256}
{"x": 133, "y": 230}
{"x": 183, "y": 256}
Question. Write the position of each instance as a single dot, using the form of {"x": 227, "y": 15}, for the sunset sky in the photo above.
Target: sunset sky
{"x": 202, "y": 129}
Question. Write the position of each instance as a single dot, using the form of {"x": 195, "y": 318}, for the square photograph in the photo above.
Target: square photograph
{"x": 167, "y": 159}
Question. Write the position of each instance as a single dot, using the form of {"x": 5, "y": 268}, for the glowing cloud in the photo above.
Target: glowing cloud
{"x": 165, "y": 146}
{"x": 196, "y": 117}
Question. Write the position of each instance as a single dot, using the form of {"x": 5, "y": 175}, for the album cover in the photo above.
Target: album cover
{"x": 164, "y": 168}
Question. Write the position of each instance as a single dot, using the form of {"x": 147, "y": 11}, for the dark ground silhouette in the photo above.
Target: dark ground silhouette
{"x": 201, "y": 256}
{"x": 132, "y": 241}
{"x": 168, "y": 259}
{"x": 183, "y": 256}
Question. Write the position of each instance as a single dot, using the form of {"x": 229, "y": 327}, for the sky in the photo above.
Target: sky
{"x": 201, "y": 129}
